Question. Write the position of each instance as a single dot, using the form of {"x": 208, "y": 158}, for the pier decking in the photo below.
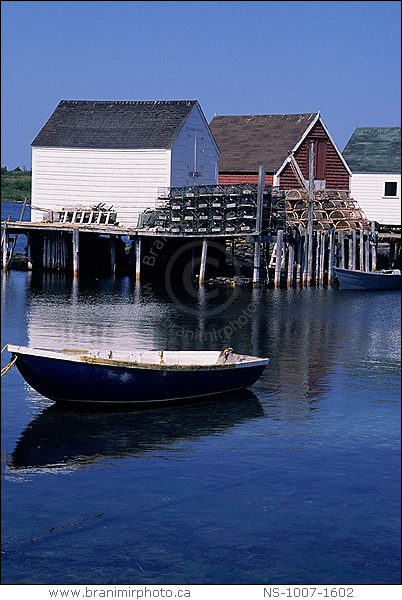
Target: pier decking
{"x": 297, "y": 236}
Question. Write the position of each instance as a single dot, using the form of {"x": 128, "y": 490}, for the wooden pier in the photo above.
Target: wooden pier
{"x": 293, "y": 238}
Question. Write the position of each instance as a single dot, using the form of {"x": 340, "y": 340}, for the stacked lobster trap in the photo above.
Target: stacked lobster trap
{"x": 232, "y": 209}
{"x": 217, "y": 209}
{"x": 332, "y": 209}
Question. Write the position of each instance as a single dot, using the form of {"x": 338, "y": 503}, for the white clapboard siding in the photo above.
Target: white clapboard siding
{"x": 128, "y": 180}
{"x": 368, "y": 190}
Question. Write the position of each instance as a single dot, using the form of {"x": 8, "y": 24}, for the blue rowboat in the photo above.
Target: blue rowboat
{"x": 139, "y": 378}
{"x": 368, "y": 280}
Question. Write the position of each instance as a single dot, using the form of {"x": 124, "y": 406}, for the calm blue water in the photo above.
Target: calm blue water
{"x": 295, "y": 482}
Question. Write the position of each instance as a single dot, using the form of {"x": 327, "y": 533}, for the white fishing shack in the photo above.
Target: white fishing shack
{"x": 119, "y": 154}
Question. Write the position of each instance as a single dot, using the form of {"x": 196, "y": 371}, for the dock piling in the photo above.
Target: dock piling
{"x": 76, "y": 251}
{"x": 137, "y": 258}
{"x": 203, "y": 261}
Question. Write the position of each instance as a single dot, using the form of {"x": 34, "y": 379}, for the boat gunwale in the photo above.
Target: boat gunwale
{"x": 387, "y": 272}
{"x": 71, "y": 355}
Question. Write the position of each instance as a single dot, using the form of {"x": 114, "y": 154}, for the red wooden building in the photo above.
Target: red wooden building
{"x": 281, "y": 143}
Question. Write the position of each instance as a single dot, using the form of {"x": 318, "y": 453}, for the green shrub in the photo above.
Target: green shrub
{"x": 15, "y": 185}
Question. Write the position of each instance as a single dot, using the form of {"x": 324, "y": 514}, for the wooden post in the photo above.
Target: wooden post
{"x": 257, "y": 261}
{"x": 5, "y": 247}
{"x": 112, "y": 240}
{"x": 323, "y": 236}
{"x": 257, "y": 244}
{"x": 331, "y": 256}
{"x": 304, "y": 256}
{"x": 137, "y": 258}
{"x": 373, "y": 247}
{"x": 291, "y": 260}
{"x": 367, "y": 252}
{"x": 317, "y": 256}
{"x": 341, "y": 240}
{"x": 29, "y": 251}
{"x": 53, "y": 238}
{"x": 392, "y": 255}
{"x": 61, "y": 251}
{"x": 310, "y": 215}
{"x": 23, "y": 208}
{"x": 278, "y": 261}
{"x": 76, "y": 251}
{"x": 203, "y": 261}
{"x": 352, "y": 250}
{"x": 44, "y": 257}
{"x": 361, "y": 250}
{"x": 299, "y": 260}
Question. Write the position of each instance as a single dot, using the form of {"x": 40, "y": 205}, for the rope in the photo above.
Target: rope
{"x": 7, "y": 367}
{"x": 10, "y": 364}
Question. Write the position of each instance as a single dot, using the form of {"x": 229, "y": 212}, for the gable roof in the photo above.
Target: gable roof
{"x": 374, "y": 150}
{"x": 117, "y": 124}
{"x": 247, "y": 141}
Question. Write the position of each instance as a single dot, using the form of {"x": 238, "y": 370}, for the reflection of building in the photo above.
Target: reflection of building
{"x": 64, "y": 313}
{"x": 118, "y": 154}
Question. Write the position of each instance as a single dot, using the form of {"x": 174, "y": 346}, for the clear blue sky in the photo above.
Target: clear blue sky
{"x": 235, "y": 58}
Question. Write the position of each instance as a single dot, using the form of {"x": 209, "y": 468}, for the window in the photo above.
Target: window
{"x": 320, "y": 159}
{"x": 390, "y": 188}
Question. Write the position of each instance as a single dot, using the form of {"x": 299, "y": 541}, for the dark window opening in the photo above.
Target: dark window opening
{"x": 390, "y": 188}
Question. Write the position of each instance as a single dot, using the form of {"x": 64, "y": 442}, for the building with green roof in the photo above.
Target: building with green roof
{"x": 373, "y": 155}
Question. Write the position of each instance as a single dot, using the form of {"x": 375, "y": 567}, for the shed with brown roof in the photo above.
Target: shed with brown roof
{"x": 248, "y": 141}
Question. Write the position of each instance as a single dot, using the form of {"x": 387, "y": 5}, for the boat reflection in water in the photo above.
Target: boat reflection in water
{"x": 58, "y": 439}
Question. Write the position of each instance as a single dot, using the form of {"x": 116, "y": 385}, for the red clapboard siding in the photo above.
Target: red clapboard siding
{"x": 328, "y": 164}
{"x": 233, "y": 178}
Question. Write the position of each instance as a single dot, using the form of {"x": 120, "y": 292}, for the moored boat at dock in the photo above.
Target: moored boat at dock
{"x": 368, "y": 280}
